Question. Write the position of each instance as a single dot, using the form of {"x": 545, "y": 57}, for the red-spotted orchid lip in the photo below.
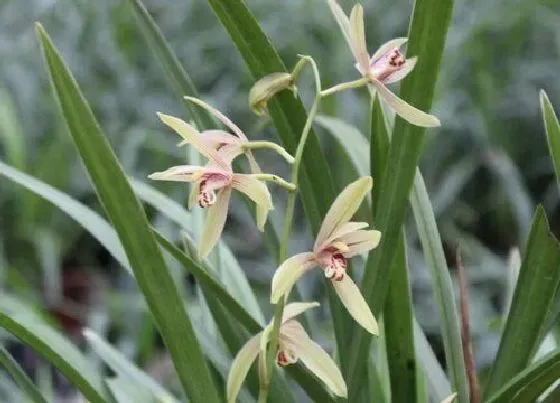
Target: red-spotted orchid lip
{"x": 338, "y": 240}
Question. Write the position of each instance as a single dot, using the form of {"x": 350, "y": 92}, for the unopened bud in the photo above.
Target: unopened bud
{"x": 266, "y": 88}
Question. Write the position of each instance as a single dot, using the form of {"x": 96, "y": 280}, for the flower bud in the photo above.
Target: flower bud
{"x": 266, "y": 88}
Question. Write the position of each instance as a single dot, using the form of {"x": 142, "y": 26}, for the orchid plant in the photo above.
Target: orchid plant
{"x": 288, "y": 343}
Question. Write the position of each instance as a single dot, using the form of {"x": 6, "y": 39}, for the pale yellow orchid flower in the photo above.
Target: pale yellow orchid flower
{"x": 387, "y": 65}
{"x": 212, "y": 183}
{"x": 293, "y": 344}
{"x": 338, "y": 240}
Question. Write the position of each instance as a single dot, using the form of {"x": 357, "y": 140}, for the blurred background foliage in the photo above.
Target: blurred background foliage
{"x": 486, "y": 168}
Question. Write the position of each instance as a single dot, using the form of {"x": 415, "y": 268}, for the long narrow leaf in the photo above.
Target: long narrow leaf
{"x": 399, "y": 332}
{"x": 427, "y": 34}
{"x": 552, "y": 132}
{"x": 531, "y": 382}
{"x": 443, "y": 287}
{"x": 130, "y": 222}
{"x": 92, "y": 222}
{"x": 20, "y": 377}
{"x": 54, "y": 347}
{"x": 125, "y": 369}
{"x": 538, "y": 280}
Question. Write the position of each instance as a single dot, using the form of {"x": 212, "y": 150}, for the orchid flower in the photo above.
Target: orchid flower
{"x": 338, "y": 240}
{"x": 387, "y": 65}
{"x": 294, "y": 344}
{"x": 214, "y": 181}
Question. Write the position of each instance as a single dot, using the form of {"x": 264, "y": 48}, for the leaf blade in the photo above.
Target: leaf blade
{"x": 130, "y": 222}
{"x": 533, "y": 297}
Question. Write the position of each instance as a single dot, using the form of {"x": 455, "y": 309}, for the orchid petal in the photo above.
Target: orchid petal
{"x": 229, "y": 152}
{"x": 343, "y": 208}
{"x": 215, "y": 221}
{"x": 288, "y": 273}
{"x": 352, "y": 299}
{"x": 402, "y": 72}
{"x": 241, "y": 366}
{"x": 191, "y": 135}
{"x": 258, "y": 192}
{"x": 312, "y": 355}
{"x": 404, "y": 109}
{"x": 179, "y": 173}
{"x": 220, "y": 116}
{"x": 343, "y": 230}
{"x": 387, "y": 47}
{"x": 449, "y": 399}
{"x": 297, "y": 308}
{"x": 360, "y": 241}
{"x": 219, "y": 137}
{"x": 342, "y": 20}
{"x": 358, "y": 37}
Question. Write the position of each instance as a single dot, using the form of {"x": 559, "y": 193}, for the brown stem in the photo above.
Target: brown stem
{"x": 466, "y": 333}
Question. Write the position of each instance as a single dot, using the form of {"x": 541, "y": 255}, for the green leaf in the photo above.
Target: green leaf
{"x": 427, "y": 33}
{"x": 527, "y": 385}
{"x": 32, "y": 331}
{"x": 131, "y": 224}
{"x": 552, "y": 132}
{"x": 443, "y": 287}
{"x": 20, "y": 377}
{"x": 538, "y": 280}
{"x": 125, "y": 369}
{"x": 349, "y": 139}
{"x": 399, "y": 334}
{"x": 11, "y": 131}
{"x": 83, "y": 215}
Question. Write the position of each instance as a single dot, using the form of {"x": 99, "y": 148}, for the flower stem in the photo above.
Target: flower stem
{"x": 273, "y": 146}
{"x": 345, "y": 86}
{"x": 290, "y": 208}
{"x": 276, "y": 179}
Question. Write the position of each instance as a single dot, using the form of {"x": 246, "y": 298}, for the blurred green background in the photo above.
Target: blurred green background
{"x": 486, "y": 168}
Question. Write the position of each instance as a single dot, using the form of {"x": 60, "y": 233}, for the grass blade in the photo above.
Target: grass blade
{"x": 399, "y": 335}
{"x": 125, "y": 369}
{"x": 531, "y": 382}
{"x": 443, "y": 287}
{"x": 552, "y": 132}
{"x": 92, "y": 222}
{"x": 61, "y": 353}
{"x": 131, "y": 224}
{"x": 399, "y": 332}
{"x": 538, "y": 280}
{"x": 427, "y": 34}
{"x": 20, "y": 377}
